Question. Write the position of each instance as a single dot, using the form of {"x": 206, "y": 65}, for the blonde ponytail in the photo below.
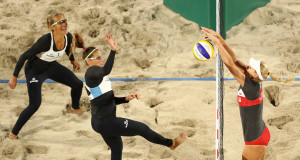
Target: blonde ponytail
{"x": 265, "y": 72}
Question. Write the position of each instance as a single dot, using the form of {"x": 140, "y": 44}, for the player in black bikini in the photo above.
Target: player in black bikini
{"x": 103, "y": 102}
{"x": 42, "y": 64}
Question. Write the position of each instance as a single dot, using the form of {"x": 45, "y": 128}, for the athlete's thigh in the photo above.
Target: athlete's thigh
{"x": 62, "y": 74}
{"x": 254, "y": 152}
{"x": 123, "y": 127}
{"x": 34, "y": 80}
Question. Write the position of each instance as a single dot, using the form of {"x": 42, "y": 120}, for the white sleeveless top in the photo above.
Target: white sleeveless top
{"x": 52, "y": 55}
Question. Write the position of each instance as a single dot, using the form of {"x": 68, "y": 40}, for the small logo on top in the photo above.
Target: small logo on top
{"x": 34, "y": 80}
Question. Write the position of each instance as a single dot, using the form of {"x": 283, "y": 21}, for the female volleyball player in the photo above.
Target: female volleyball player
{"x": 41, "y": 65}
{"x": 250, "y": 98}
{"x": 103, "y": 102}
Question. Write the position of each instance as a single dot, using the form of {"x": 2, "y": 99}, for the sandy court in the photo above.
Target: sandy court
{"x": 152, "y": 42}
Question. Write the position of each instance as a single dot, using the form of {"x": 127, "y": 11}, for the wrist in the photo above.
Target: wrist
{"x": 218, "y": 43}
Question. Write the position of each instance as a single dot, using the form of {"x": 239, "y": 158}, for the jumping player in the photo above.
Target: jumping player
{"x": 250, "y": 96}
{"x": 103, "y": 102}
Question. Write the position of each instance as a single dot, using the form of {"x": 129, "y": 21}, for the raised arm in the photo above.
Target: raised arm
{"x": 227, "y": 59}
{"x": 110, "y": 60}
{"x": 233, "y": 56}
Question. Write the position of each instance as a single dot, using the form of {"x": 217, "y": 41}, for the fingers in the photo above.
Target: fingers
{"x": 12, "y": 86}
{"x": 206, "y": 32}
{"x": 76, "y": 67}
{"x": 108, "y": 36}
{"x": 132, "y": 96}
{"x": 137, "y": 96}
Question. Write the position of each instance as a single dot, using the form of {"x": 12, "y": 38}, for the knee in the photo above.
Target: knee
{"x": 144, "y": 128}
{"x": 78, "y": 85}
{"x": 33, "y": 107}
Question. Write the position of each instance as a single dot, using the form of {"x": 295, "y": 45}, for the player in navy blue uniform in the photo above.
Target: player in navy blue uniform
{"x": 103, "y": 102}
{"x": 42, "y": 64}
{"x": 250, "y": 96}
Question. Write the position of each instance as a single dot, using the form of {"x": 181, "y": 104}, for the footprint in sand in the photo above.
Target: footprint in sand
{"x": 123, "y": 8}
{"x": 208, "y": 152}
{"x": 186, "y": 123}
{"x": 190, "y": 126}
{"x": 281, "y": 144}
{"x": 33, "y": 149}
{"x": 17, "y": 110}
{"x": 142, "y": 63}
{"x": 83, "y": 133}
{"x": 279, "y": 122}
{"x": 4, "y": 26}
{"x": 129, "y": 142}
{"x": 166, "y": 154}
{"x": 127, "y": 20}
{"x": 4, "y": 94}
{"x": 93, "y": 32}
{"x": 208, "y": 100}
{"x": 191, "y": 132}
{"x": 273, "y": 94}
{"x": 12, "y": 149}
{"x": 293, "y": 66}
{"x": 25, "y": 41}
{"x": 132, "y": 155}
{"x": 153, "y": 102}
{"x": 91, "y": 14}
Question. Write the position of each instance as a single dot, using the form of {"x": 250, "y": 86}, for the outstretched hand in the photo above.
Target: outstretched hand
{"x": 131, "y": 96}
{"x": 210, "y": 34}
{"x": 112, "y": 43}
{"x": 214, "y": 33}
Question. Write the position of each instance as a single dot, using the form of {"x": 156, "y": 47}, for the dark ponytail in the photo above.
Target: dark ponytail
{"x": 77, "y": 42}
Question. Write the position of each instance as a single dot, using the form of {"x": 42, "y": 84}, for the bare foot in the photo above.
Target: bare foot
{"x": 72, "y": 110}
{"x": 179, "y": 140}
{"x": 12, "y": 136}
{"x": 77, "y": 111}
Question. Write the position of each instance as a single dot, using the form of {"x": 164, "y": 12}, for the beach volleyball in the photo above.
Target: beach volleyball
{"x": 203, "y": 50}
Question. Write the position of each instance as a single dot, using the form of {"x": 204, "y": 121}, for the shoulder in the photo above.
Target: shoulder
{"x": 93, "y": 68}
{"x": 91, "y": 71}
{"x": 69, "y": 35}
{"x": 45, "y": 38}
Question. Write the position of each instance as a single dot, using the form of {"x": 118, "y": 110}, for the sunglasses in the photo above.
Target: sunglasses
{"x": 98, "y": 57}
{"x": 60, "y": 22}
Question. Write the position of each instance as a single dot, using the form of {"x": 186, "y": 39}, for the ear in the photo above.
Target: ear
{"x": 52, "y": 28}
